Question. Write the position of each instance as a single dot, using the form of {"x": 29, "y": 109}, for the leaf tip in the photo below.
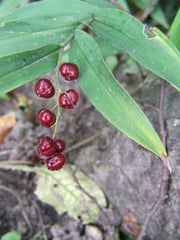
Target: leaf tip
{"x": 166, "y": 162}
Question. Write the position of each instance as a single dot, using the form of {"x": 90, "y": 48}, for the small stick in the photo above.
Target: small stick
{"x": 81, "y": 143}
{"x": 40, "y": 220}
{"x": 152, "y": 107}
{"x": 90, "y": 196}
{"x": 148, "y": 11}
{"x": 117, "y": 5}
{"x": 129, "y": 182}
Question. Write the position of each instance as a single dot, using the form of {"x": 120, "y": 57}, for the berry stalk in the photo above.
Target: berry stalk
{"x": 59, "y": 92}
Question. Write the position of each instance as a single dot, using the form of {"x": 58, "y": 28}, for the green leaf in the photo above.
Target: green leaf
{"x": 150, "y": 76}
{"x": 123, "y": 3}
{"x": 8, "y": 5}
{"x": 5, "y": 97}
{"x": 101, "y": 4}
{"x": 28, "y": 49}
{"x": 60, "y": 190}
{"x": 55, "y": 22}
{"x": 174, "y": 32}
{"x": 127, "y": 33}
{"x": 157, "y": 32}
{"x": 112, "y": 62}
{"x": 105, "y": 4}
{"x": 107, "y": 49}
{"x": 11, "y": 236}
{"x": 143, "y": 4}
{"x": 174, "y": 36}
{"x": 18, "y": 69}
{"x": 158, "y": 15}
{"x": 129, "y": 66}
{"x": 107, "y": 95}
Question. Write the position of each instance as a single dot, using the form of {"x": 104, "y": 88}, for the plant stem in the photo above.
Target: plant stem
{"x": 161, "y": 120}
{"x": 59, "y": 92}
{"x": 165, "y": 172}
{"x": 93, "y": 199}
{"x": 67, "y": 41}
{"x": 149, "y": 10}
{"x": 117, "y": 5}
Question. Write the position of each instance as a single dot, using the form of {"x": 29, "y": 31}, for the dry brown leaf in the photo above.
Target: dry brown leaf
{"x": 130, "y": 224}
{"x": 129, "y": 217}
{"x": 7, "y": 121}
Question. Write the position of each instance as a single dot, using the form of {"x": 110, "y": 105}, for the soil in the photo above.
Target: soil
{"x": 129, "y": 175}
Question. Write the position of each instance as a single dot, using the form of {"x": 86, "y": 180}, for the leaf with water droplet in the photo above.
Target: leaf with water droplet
{"x": 112, "y": 101}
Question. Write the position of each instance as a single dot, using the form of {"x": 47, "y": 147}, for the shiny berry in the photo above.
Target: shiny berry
{"x": 55, "y": 162}
{"x": 42, "y": 157}
{"x": 44, "y": 88}
{"x": 60, "y": 145}
{"x": 46, "y": 146}
{"x": 69, "y": 71}
{"x": 68, "y": 99}
{"x": 46, "y": 117}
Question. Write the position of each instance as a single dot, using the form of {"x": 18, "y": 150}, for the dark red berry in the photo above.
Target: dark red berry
{"x": 41, "y": 157}
{"x": 46, "y": 146}
{"x": 60, "y": 145}
{"x": 68, "y": 99}
{"x": 44, "y": 88}
{"x": 46, "y": 117}
{"x": 55, "y": 162}
{"x": 69, "y": 71}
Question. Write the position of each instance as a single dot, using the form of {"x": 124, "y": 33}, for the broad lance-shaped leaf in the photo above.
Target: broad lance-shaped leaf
{"x": 20, "y": 68}
{"x": 127, "y": 33}
{"x": 37, "y": 24}
{"x": 7, "y": 6}
{"x": 107, "y": 95}
{"x": 31, "y": 35}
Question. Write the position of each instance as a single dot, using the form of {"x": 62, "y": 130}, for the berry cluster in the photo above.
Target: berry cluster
{"x": 49, "y": 151}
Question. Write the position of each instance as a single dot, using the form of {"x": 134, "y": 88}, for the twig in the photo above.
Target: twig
{"x": 93, "y": 199}
{"x": 165, "y": 172}
{"x": 117, "y": 5}
{"x": 81, "y": 143}
{"x": 40, "y": 220}
{"x": 149, "y": 11}
{"x": 129, "y": 182}
{"x": 152, "y": 107}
